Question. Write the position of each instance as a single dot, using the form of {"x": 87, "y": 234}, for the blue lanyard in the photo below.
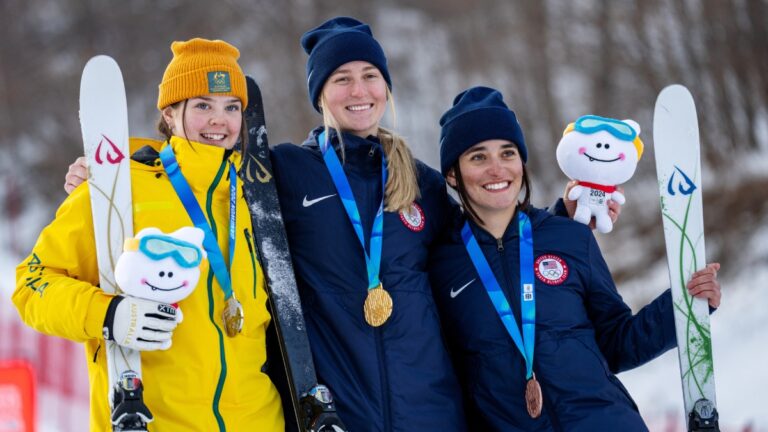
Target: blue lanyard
{"x": 372, "y": 261}
{"x": 527, "y": 288}
{"x": 215, "y": 257}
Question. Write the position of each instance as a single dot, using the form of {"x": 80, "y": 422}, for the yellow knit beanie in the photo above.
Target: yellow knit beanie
{"x": 202, "y": 67}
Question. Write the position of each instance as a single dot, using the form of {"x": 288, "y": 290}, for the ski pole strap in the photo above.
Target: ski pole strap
{"x": 372, "y": 261}
{"x": 524, "y": 342}
{"x": 184, "y": 192}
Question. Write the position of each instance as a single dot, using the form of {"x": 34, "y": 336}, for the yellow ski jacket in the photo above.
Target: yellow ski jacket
{"x": 206, "y": 381}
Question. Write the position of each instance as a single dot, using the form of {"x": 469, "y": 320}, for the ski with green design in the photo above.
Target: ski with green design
{"x": 308, "y": 405}
{"x": 678, "y": 167}
{"x": 104, "y": 124}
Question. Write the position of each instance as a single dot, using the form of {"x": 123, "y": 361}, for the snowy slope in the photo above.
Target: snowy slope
{"x": 740, "y": 350}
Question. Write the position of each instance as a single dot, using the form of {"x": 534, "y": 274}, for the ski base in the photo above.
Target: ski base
{"x": 311, "y": 403}
{"x": 104, "y": 124}
{"x": 678, "y": 167}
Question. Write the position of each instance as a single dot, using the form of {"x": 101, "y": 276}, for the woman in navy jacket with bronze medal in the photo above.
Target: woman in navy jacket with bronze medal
{"x": 530, "y": 311}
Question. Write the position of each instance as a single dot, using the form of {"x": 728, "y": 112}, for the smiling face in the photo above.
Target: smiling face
{"x": 161, "y": 267}
{"x": 355, "y": 95}
{"x": 159, "y": 280}
{"x": 214, "y": 120}
{"x": 492, "y": 175}
{"x": 597, "y": 157}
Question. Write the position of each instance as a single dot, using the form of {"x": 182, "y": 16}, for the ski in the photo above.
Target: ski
{"x": 678, "y": 167}
{"x": 311, "y": 403}
{"x": 104, "y": 124}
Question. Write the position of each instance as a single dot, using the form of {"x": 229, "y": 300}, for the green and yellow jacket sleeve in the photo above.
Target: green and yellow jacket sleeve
{"x": 56, "y": 290}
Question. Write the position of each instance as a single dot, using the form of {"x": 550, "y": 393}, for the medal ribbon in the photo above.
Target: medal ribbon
{"x": 184, "y": 192}
{"x": 372, "y": 261}
{"x": 525, "y": 342}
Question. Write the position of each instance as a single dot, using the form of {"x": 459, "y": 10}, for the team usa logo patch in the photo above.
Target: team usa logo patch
{"x": 551, "y": 269}
{"x": 414, "y": 218}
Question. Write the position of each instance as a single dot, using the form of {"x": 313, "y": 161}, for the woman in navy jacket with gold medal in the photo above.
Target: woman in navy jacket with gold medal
{"x": 360, "y": 213}
{"x": 530, "y": 310}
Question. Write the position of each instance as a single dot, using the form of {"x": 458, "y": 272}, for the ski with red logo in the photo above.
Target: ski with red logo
{"x": 308, "y": 405}
{"x": 678, "y": 167}
{"x": 104, "y": 124}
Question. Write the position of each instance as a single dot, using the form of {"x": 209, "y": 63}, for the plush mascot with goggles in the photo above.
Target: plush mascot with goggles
{"x": 599, "y": 153}
{"x": 161, "y": 267}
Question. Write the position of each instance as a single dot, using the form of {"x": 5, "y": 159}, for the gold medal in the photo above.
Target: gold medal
{"x": 233, "y": 317}
{"x": 378, "y": 306}
{"x": 533, "y": 398}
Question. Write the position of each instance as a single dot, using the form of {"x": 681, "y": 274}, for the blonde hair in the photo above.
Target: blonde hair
{"x": 402, "y": 187}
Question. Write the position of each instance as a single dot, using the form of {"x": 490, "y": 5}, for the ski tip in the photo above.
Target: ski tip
{"x": 675, "y": 91}
{"x": 101, "y": 60}
{"x": 98, "y": 69}
{"x": 254, "y": 92}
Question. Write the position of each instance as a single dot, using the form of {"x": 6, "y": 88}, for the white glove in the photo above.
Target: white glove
{"x": 140, "y": 324}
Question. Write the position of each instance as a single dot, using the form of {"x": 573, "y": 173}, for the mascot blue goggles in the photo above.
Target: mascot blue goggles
{"x": 589, "y": 124}
{"x": 158, "y": 247}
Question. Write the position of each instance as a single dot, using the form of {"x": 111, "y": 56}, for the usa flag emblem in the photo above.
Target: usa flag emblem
{"x": 551, "y": 269}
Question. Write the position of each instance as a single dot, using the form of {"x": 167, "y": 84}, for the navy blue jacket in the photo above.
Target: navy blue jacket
{"x": 397, "y": 377}
{"x": 584, "y": 331}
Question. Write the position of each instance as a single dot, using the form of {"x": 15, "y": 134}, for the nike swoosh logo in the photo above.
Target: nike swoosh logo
{"x": 307, "y": 203}
{"x": 458, "y": 291}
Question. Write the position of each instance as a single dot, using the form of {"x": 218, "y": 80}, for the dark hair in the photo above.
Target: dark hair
{"x": 464, "y": 196}
{"x": 167, "y": 133}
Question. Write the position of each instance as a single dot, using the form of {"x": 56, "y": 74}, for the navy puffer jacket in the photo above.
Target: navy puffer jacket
{"x": 585, "y": 333}
{"x": 397, "y": 377}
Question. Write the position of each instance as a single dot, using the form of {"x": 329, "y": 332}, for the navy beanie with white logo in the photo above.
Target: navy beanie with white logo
{"x": 478, "y": 114}
{"x": 334, "y": 43}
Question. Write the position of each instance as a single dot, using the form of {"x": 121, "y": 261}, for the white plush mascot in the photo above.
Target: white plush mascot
{"x": 161, "y": 267}
{"x": 599, "y": 153}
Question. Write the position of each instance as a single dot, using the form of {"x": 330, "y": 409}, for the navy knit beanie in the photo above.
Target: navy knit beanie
{"x": 334, "y": 43}
{"x": 478, "y": 114}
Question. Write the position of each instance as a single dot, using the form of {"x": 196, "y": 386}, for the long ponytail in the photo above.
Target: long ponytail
{"x": 402, "y": 183}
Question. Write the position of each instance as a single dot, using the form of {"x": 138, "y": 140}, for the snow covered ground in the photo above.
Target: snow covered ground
{"x": 740, "y": 347}
{"x": 739, "y": 342}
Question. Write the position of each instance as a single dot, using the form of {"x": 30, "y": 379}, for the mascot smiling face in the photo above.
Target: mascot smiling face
{"x": 600, "y": 150}
{"x": 599, "y": 153}
{"x": 161, "y": 267}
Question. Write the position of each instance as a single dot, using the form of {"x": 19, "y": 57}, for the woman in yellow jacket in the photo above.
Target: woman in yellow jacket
{"x": 206, "y": 380}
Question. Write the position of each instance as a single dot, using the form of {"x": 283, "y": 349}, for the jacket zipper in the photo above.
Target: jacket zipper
{"x": 211, "y": 312}
{"x": 248, "y": 241}
{"x": 384, "y": 379}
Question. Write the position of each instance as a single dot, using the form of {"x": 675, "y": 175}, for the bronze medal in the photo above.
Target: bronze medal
{"x": 233, "y": 317}
{"x": 377, "y": 307}
{"x": 533, "y": 398}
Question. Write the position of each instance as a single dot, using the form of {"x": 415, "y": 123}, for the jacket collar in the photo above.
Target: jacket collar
{"x": 358, "y": 152}
{"x": 536, "y": 215}
{"x": 200, "y": 163}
